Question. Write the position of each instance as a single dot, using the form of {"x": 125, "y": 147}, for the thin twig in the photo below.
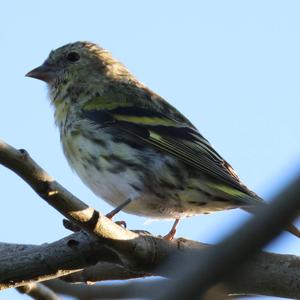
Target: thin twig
{"x": 127, "y": 290}
{"x": 267, "y": 274}
{"x": 38, "y": 291}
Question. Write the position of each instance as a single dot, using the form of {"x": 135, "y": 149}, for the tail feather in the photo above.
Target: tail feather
{"x": 291, "y": 228}
{"x": 251, "y": 202}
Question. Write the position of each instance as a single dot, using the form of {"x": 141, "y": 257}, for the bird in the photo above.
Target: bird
{"x": 130, "y": 146}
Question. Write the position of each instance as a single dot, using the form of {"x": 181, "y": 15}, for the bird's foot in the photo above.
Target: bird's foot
{"x": 170, "y": 235}
{"x": 172, "y": 232}
{"x": 111, "y": 214}
{"x": 121, "y": 223}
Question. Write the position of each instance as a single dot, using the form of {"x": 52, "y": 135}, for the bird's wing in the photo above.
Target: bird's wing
{"x": 168, "y": 135}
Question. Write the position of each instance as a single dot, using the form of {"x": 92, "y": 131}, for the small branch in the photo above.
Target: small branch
{"x": 267, "y": 274}
{"x": 270, "y": 275}
{"x": 38, "y": 291}
{"x": 104, "y": 271}
{"x": 81, "y": 250}
{"x": 9, "y": 249}
{"x": 128, "y": 290}
{"x": 38, "y": 263}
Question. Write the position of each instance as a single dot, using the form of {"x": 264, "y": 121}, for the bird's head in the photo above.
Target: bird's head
{"x": 79, "y": 62}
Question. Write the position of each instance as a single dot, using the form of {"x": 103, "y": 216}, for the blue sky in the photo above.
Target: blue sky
{"x": 232, "y": 67}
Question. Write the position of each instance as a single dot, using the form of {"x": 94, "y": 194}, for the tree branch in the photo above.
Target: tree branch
{"x": 38, "y": 291}
{"x": 138, "y": 254}
{"x": 267, "y": 274}
{"x": 80, "y": 250}
{"x": 128, "y": 290}
{"x": 104, "y": 271}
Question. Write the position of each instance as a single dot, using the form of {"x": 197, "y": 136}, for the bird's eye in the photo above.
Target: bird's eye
{"x": 73, "y": 56}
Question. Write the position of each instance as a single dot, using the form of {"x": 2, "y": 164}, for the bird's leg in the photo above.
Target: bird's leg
{"x": 111, "y": 214}
{"x": 172, "y": 232}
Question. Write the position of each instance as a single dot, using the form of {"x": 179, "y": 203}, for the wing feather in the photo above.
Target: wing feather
{"x": 175, "y": 138}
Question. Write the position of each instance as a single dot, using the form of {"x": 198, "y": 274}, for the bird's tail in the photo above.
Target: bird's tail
{"x": 291, "y": 228}
{"x": 250, "y": 202}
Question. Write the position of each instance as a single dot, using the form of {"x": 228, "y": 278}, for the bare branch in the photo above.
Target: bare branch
{"x": 268, "y": 274}
{"x": 38, "y": 291}
{"x": 128, "y": 290}
{"x": 104, "y": 271}
{"x": 80, "y": 250}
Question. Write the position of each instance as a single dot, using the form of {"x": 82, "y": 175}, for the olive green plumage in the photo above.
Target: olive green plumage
{"x": 126, "y": 142}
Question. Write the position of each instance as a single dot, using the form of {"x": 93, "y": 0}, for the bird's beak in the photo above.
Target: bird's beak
{"x": 44, "y": 72}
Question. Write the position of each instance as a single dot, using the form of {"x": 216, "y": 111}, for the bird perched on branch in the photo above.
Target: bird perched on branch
{"x": 130, "y": 146}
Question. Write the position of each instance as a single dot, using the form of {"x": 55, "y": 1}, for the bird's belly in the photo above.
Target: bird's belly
{"x": 98, "y": 167}
{"x": 153, "y": 191}
{"x": 115, "y": 189}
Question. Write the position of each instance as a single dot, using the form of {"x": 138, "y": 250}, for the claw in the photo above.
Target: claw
{"x": 121, "y": 223}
